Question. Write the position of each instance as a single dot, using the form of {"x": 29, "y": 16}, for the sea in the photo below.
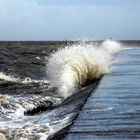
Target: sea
{"x": 44, "y": 84}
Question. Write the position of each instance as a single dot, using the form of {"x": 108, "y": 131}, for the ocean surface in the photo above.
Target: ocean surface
{"x": 44, "y": 84}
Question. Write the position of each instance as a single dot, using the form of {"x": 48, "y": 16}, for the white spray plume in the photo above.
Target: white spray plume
{"x": 72, "y": 66}
{"x": 111, "y": 47}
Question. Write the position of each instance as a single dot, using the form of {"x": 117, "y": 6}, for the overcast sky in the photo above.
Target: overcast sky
{"x": 69, "y": 19}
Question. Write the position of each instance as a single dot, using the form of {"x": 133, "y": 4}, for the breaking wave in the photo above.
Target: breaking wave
{"x": 26, "y": 80}
{"x": 9, "y": 78}
{"x": 71, "y": 67}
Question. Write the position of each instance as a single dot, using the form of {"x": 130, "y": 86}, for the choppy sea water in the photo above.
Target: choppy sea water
{"x": 30, "y": 106}
{"x": 25, "y": 92}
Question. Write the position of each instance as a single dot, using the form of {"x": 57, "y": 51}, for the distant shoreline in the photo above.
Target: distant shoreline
{"x": 66, "y": 42}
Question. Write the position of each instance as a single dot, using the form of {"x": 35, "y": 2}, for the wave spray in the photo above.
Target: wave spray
{"x": 70, "y": 67}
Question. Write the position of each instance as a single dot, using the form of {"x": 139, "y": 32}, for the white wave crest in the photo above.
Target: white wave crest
{"x": 72, "y": 66}
{"x": 26, "y": 80}
{"x": 9, "y": 78}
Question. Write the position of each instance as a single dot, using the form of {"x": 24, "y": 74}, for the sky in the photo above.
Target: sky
{"x": 69, "y": 19}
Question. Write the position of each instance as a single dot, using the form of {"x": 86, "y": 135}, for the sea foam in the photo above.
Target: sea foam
{"x": 70, "y": 67}
{"x": 26, "y": 80}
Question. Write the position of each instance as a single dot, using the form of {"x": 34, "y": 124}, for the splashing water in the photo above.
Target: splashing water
{"x": 30, "y": 107}
{"x": 73, "y": 66}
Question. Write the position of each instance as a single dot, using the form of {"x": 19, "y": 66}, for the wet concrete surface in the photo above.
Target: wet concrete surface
{"x": 112, "y": 112}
